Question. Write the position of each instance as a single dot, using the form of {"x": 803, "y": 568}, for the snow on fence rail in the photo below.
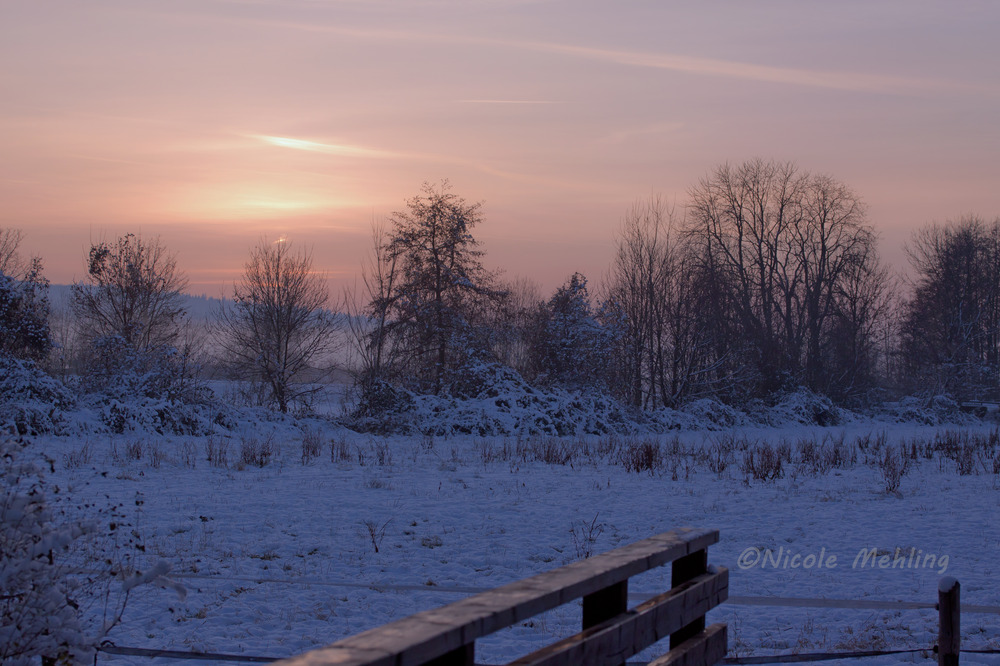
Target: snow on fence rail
{"x": 611, "y": 633}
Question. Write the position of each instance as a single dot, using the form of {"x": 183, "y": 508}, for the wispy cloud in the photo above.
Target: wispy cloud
{"x": 341, "y": 149}
{"x": 508, "y": 101}
{"x": 628, "y": 133}
{"x": 740, "y": 70}
{"x": 344, "y": 150}
{"x": 816, "y": 78}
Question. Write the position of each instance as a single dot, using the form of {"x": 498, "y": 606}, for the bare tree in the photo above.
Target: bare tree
{"x": 650, "y": 300}
{"x": 277, "y": 329}
{"x": 133, "y": 290}
{"x": 835, "y": 250}
{"x": 11, "y": 262}
{"x": 740, "y": 218}
{"x": 516, "y": 322}
{"x": 777, "y": 245}
{"x": 859, "y": 337}
{"x": 951, "y": 325}
{"x": 367, "y": 308}
{"x": 131, "y": 317}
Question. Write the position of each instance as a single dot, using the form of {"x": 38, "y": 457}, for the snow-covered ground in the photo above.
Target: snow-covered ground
{"x": 281, "y": 558}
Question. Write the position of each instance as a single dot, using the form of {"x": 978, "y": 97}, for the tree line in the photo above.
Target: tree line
{"x": 766, "y": 280}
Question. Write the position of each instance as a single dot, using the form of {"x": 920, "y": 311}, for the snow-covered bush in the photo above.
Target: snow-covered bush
{"x": 24, "y": 314}
{"x": 936, "y": 410}
{"x": 120, "y": 370}
{"x": 38, "y": 610}
{"x": 716, "y": 414}
{"x": 152, "y": 390}
{"x": 492, "y": 399}
{"x": 31, "y": 402}
{"x": 802, "y": 406}
{"x": 378, "y": 399}
{"x": 160, "y": 416}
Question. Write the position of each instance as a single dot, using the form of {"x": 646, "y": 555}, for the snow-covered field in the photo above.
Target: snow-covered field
{"x": 299, "y": 552}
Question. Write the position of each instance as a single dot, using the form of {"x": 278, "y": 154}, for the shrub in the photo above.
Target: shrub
{"x": 340, "y": 451}
{"x": 719, "y": 458}
{"x": 189, "y": 454}
{"x": 584, "y": 536}
{"x": 38, "y": 612}
{"x": 763, "y": 463}
{"x": 312, "y": 445}
{"x": 376, "y": 532}
{"x": 893, "y": 466}
{"x": 40, "y": 595}
{"x": 31, "y": 402}
{"x": 256, "y": 452}
{"x": 217, "y": 452}
{"x": 641, "y": 456}
{"x": 383, "y": 454}
{"x": 118, "y": 369}
{"x": 79, "y": 458}
{"x": 24, "y": 315}
{"x": 550, "y": 450}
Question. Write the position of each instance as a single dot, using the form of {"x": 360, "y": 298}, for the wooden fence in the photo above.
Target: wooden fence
{"x": 611, "y": 632}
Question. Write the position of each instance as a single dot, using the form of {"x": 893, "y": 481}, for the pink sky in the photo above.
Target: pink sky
{"x": 212, "y": 122}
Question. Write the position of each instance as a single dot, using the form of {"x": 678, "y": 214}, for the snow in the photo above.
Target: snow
{"x": 946, "y": 584}
{"x": 280, "y": 559}
{"x": 302, "y": 550}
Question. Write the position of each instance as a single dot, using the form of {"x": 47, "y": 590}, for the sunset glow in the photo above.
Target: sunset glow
{"x": 209, "y": 123}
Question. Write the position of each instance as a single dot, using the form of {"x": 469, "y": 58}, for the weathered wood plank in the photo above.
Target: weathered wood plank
{"x": 431, "y": 634}
{"x": 340, "y": 656}
{"x": 617, "y": 639}
{"x": 705, "y": 648}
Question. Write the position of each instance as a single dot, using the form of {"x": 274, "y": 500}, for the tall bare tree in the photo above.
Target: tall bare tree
{"x": 277, "y": 329}
{"x": 778, "y": 243}
{"x": 951, "y": 325}
{"x": 367, "y": 310}
{"x": 651, "y": 302}
{"x": 860, "y": 339}
{"x": 516, "y": 323}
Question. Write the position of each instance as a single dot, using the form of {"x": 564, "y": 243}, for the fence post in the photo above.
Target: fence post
{"x": 463, "y": 656}
{"x": 949, "y": 621}
{"x": 605, "y": 604}
{"x": 682, "y": 570}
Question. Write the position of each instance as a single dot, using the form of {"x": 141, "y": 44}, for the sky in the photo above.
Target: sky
{"x": 215, "y": 123}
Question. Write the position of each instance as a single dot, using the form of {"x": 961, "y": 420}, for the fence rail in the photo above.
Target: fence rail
{"x": 611, "y": 633}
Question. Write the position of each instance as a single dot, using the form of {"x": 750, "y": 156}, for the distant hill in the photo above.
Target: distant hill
{"x": 200, "y": 308}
